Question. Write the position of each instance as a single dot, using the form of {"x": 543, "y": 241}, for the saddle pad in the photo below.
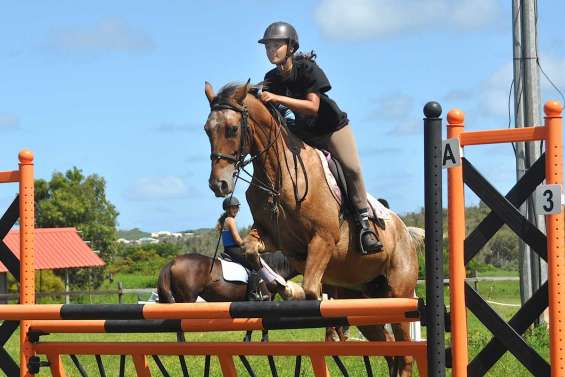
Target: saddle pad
{"x": 330, "y": 179}
{"x": 234, "y": 272}
{"x": 376, "y": 209}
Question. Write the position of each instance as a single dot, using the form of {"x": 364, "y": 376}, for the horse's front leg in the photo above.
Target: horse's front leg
{"x": 257, "y": 242}
{"x": 320, "y": 250}
{"x": 254, "y": 243}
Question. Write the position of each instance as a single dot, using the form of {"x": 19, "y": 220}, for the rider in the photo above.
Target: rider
{"x": 300, "y": 85}
{"x": 233, "y": 242}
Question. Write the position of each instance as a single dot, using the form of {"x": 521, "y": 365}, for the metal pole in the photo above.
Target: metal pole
{"x": 435, "y": 309}
{"x": 524, "y": 249}
{"x": 532, "y": 117}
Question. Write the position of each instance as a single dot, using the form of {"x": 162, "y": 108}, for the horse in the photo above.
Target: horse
{"x": 288, "y": 191}
{"x": 188, "y": 276}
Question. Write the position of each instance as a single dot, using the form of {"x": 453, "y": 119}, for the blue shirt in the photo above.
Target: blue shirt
{"x": 227, "y": 238}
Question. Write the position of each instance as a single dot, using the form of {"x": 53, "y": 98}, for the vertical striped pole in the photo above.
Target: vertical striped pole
{"x": 27, "y": 255}
{"x": 555, "y": 247}
{"x": 456, "y": 229}
{"x": 434, "y": 240}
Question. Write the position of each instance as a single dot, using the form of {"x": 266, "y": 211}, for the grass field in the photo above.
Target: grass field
{"x": 507, "y": 292}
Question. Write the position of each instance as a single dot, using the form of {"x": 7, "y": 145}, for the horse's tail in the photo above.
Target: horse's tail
{"x": 417, "y": 238}
{"x": 164, "y": 284}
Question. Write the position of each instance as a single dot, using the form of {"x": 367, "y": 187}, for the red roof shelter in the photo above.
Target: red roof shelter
{"x": 55, "y": 248}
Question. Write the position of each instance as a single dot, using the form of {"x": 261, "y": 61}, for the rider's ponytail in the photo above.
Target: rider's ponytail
{"x": 305, "y": 55}
{"x": 221, "y": 220}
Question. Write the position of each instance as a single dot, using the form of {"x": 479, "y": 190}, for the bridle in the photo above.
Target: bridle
{"x": 239, "y": 161}
{"x": 238, "y": 158}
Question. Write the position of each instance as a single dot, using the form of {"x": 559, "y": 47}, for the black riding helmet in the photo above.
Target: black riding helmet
{"x": 230, "y": 202}
{"x": 281, "y": 30}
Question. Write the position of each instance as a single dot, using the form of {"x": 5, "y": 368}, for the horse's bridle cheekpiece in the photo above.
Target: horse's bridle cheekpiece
{"x": 237, "y": 160}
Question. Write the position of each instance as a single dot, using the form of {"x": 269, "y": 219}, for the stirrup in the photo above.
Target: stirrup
{"x": 255, "y": 296}
{"x": 379, "y": 247}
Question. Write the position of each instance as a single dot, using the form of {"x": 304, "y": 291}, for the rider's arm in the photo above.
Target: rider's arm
{"x": 308, "y": 106}
{"x": 232, "y": 227}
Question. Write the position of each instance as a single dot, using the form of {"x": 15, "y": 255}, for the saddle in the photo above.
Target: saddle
{"x": 232, "y": 271}
{"x": 378, "y": 209}
{"x": 235, "y": 272}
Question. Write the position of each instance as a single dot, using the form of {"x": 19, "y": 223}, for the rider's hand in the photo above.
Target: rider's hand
{"x": 269, "y": 97}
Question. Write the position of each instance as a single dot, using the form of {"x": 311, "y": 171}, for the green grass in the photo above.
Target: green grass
{"x": 285, "y": 365}
{"x": 135, "y": 281}
{"x": 479, "y": 336}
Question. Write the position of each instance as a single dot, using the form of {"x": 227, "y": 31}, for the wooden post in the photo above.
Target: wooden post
{"x": 3, "y": 286}
{"x": 27, "y": 253}
{"x": 120, "y": 293}
{"x": 67, "y": 287}
{"x": 555, "y": 249}
{"x": 456, "y": 229}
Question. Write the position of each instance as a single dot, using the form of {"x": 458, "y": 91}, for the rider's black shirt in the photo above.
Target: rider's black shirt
{"x": 306, "y": 77}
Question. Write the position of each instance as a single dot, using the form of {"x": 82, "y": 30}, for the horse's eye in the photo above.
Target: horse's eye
{"x": 231, "y": 131}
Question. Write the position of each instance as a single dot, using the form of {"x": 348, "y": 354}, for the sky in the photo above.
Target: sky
{"x": 117, "y": 89}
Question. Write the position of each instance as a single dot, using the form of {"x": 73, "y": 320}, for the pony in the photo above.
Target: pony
{"x": 188, "y": 276}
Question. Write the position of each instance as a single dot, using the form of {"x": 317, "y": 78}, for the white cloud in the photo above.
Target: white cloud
{"x": 9, "y": 122}
{"x": 392, "y": 107}
{"x": 406, "y": 128}
{"x": 157, "y": 188}
{"x": 113, "y": 35}
{"x": 396, "y": 110}
{"x": 554, "y": 68}
{"x": 374, "y": 19}
{"x": 459, "y": 95}
{"x": 493, "y": 93}
{"x": 492, "y": 96}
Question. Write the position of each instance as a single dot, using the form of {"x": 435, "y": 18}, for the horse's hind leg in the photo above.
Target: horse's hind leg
{"x": 379, "y": 333}
{"x": 320, "y": 251}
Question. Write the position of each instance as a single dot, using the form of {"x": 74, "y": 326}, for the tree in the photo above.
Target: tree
{"x": 73, "y": 200}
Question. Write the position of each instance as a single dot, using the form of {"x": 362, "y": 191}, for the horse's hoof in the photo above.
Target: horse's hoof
{"x": 293, "y": 291}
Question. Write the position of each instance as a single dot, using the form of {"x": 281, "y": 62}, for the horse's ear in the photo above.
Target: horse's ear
{"x": 209, "y": 91}
{"x": 242, "y": 91}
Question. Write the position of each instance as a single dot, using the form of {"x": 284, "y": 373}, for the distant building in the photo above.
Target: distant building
{"x": 165, "y": 234}
{"x": 55, "y": 248}
{"x": 124, "y": 241}
{"x": 147, "y": 240}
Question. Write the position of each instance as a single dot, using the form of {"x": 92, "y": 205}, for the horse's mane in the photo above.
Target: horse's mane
{"x": 227, "y": 92}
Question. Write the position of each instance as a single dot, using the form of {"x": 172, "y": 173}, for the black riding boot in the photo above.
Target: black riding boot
{"x": 253, "y": 293}
{"x": 367, "y": 237}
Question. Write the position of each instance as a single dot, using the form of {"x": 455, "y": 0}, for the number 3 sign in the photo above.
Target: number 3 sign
{"x": 549, "y": 199}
